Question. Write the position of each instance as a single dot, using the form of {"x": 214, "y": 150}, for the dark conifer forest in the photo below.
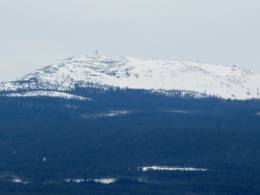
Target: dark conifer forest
{"x": 46, "y": 140}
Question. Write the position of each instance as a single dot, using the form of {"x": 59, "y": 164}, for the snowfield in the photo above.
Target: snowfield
{"x": 48, "y": 94}
{"x": 174, "y": 168}
{"x": 228, "y": 82}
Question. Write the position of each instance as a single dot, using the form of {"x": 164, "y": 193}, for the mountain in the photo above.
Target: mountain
{"x": 160, "y": 76}
{"x": 110, "y": 125}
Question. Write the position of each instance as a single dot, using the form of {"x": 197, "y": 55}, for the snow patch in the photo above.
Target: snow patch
{"x": 19, "y": 180}
{"x": 55, "y": 94}
{"x": 173, "y": 168}
{"x": 112, "y": 113}
{"x": 104, "y": 181}
{"x": 179, "y": 111}
{"x": 75, "y": 180}
{"x": 13, "y": 179}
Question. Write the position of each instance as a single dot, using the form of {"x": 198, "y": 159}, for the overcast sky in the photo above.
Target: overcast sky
{"x": 35, "y": 33}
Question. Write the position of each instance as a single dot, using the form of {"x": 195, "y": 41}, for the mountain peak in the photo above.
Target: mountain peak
{"x": 229, "y": 82}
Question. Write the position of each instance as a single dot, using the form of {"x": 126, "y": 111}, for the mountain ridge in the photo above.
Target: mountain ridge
{"x": 162, "y": 76}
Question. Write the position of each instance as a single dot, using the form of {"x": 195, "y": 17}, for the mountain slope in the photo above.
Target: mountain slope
{"x": 156, "y": 75}
{"x": 102, "y": 125}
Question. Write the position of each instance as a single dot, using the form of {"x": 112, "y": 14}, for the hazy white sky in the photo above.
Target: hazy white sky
{"x": 37, "y": 33}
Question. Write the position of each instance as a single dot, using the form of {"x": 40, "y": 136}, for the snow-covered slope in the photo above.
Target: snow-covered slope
{"x": 156, "y": 75}
{"x": 54, "y": 94}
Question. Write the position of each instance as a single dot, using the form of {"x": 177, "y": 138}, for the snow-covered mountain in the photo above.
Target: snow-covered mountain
{"x": 127, "y": 72}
